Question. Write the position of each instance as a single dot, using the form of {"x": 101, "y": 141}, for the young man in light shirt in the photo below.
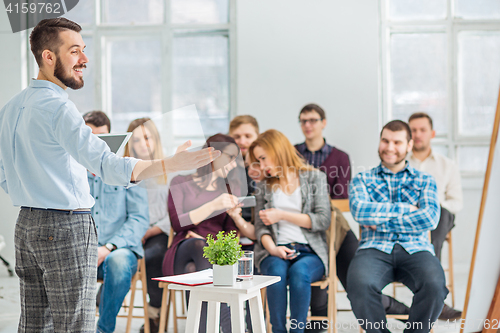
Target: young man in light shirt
{"x": 447, "y": 176}
{"x": 45, "y": 150}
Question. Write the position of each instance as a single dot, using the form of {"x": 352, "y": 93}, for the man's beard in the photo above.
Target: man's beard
{"x": 421, "y": 148}
{"x": 68, "y": 81}
{"x": 397, "y": 161}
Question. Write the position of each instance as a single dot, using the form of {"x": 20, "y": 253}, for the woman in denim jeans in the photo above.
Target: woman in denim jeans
{"x": 292, "y": 214}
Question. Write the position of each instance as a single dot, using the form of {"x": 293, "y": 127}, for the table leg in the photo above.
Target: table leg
{"x": 213, "y": 317}
{"x": 237, "y": 314}
{"x": 194, "y": 313}
{"x": 257, "y": 314}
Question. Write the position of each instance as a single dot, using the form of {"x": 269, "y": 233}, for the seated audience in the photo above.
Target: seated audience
{"x": 292, "y": 213}
{"x": 336, "y": 165}
{"x": 397, "y": 206}
{"x": 198, "y": 206}
{"x": 145, "y": 144}
{"x": 447, "y": 176}
{"x": 121, "y": 217}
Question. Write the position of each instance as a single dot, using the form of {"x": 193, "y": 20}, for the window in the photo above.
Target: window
{"x": 148, "y": 57}
{"x": 443, "y": 57}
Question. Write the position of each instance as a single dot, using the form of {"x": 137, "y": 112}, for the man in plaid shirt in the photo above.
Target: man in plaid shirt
{"x": 396, "y": 207}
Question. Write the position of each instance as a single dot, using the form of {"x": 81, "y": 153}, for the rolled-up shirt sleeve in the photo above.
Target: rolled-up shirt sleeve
{"x": 87, "y": 149}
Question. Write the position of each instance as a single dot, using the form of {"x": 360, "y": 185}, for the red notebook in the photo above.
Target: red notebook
{"x": 189, "y": 279}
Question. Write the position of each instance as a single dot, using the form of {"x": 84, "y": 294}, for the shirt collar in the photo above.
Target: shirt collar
{"x": 50, "y": 85}
{"x": 432, "y": 155}
{"x": 382, "y": 169}
{"x": 303, "y": 148}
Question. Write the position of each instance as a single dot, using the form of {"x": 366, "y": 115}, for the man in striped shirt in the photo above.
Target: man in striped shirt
{"x": 396, "y": 206}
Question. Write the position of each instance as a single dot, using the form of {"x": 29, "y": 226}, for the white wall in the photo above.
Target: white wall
{"x": 295, "y": 52}
{"x": 12, "y": 80}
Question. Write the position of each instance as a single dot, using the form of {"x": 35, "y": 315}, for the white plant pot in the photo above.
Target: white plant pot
{"x": 225, "y": 275}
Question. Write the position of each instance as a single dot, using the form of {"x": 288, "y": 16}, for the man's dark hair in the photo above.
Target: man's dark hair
{"x": 45, "y": 36}
{"x": 418, "y": 115}
{"x": 396, "y": 126}
{"x": 97, "y": 118}
{"x": 313, "y": 107}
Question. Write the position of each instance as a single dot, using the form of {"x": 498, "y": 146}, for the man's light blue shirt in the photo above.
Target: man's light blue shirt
{"x": 121, "y": 214}
{"x": 45, "y": 149}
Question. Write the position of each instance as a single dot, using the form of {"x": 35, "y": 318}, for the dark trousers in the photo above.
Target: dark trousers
{"x": 446, "y": 223}
{"x": 371, "y": 270}
{"x": 154, "y": 252}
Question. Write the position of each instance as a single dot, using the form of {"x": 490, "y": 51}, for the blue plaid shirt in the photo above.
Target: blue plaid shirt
{"x": 381, "y": 198}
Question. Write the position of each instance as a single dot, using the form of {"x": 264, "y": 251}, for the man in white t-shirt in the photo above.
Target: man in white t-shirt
{"x": 449, "y": 187}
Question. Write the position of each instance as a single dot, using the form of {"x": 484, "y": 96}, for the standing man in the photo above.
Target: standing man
{"x": 332, "y": 161}
{"x": 397, "y": 206}
{"x": 447, "y": 176}
{"x": 45, "y": 149}
{"x": 121, "y": 217}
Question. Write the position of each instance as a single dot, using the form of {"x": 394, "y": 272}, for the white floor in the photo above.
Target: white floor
{"x": 9, "y": 307}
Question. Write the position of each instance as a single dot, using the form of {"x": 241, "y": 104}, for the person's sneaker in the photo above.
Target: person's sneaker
{"x": 154, "y": 326}
{"x": 449, "y": 313}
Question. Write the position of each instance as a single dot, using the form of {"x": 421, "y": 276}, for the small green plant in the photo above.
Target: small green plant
{"x": 225, "y": 250}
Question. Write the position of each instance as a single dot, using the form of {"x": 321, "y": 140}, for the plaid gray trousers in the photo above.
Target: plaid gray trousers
{"x": 56, "y": 261}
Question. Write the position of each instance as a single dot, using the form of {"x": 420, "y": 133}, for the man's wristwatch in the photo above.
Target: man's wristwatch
{"x": 110, "y": 247}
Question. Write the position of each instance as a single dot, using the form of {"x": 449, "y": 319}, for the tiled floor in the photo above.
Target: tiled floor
{"x": 9, "y": 307}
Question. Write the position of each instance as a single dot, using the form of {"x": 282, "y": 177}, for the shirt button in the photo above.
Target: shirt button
{"x": 96, "y": 213}
{"x": 96, "y": 198}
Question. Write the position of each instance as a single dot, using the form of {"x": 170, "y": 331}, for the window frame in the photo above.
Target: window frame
{"x": 451, "y": 26}
{"x": 100, "y": 32}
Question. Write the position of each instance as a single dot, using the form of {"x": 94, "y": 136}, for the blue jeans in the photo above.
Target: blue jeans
{"x": 298, "y": 274}
{"x": 371, "y": 270}
{"x": 116, "y": 271}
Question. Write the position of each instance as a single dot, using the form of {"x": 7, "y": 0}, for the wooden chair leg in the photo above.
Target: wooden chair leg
{"x": 144, "y": 295}
{"x": 450, "y": 269}
{"x": 332, "y": 307}
{"x": 164, "y": 310}
{"x": 131, "y": 304}
{"x": 268, "y": 319}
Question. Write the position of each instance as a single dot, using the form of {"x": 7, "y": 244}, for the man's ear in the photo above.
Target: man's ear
{"x": 324, "y": 123}
{"x": 433, "y": 135}
{"x": 410, "y": 146}
{"x": 48, "y": 57}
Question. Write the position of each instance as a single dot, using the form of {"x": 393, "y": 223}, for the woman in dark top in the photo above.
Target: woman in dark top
{"x": 198, "y": 205}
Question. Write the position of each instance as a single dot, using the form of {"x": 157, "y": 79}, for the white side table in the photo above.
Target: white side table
{"x": 235, "y": 296}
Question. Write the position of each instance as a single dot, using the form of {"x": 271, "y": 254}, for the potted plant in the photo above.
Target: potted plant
{"x": 223, "y": 253}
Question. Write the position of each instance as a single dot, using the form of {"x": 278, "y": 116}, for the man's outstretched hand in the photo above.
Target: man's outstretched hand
{"x": 182, "y": 160}
{"x": 185, "y": 160}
